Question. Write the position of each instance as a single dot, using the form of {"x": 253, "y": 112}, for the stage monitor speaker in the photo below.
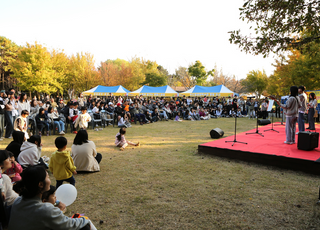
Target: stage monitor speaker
{"x": 308, "y": 140}
{"x": 216, "y": 133}
{"x": 264, "y": 122}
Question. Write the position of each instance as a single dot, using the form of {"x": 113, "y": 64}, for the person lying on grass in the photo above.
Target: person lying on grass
{"x": 121, "y": 140}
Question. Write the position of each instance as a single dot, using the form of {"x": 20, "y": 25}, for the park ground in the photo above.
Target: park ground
{"x": 166, "y": 184}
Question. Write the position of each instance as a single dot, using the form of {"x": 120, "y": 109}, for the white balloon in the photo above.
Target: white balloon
{"x": 67, "y": 194}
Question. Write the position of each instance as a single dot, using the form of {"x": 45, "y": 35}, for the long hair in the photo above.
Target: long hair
{"x": 122, "y": 131}
{"x": 81, "y": 137}
{"x": 50, "y": 109}
{"x": 313, "y": 96}
{"x": 21, "y": 97}
{"x": 28, "y": 186}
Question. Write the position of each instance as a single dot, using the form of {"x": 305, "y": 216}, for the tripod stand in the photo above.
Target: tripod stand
{"x": 235, "y": 134}
{"x": 257, "y": 129}
{"x": 271, "y": 126}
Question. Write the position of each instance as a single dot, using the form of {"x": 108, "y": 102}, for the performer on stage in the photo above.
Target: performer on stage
{"x": 291, "y": 110}
{"x": 312, "y": 105}
{"x": 303, "y": 109}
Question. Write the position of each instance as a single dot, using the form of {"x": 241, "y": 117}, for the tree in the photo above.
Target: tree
{"x": 199, "y": 72}
{"x": 296, "y": 69}
{"x": 155, "y": 79}
{"x": 8, "y": 52}
{"x": 33, "y": 68}
{"x": 182, "y": 77}
{"x": 278, "y": 25}
{"x": 255, "y": 82}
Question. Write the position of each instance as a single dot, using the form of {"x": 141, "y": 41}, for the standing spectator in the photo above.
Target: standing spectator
{"x": 264, "y": 106}
{"x": 2, "y": 114}
{"x": 61, "y": 164}
{"x": 8, "y": 115}
{"x": 303, "y": 109}
{"x": 23, "y": 103}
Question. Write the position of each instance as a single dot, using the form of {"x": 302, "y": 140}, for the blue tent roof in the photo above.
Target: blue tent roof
{"x": 104, "y": 90}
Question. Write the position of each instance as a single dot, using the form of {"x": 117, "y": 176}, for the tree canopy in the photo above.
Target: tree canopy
{"x": 278, "y": 25}
{"x": 256, "y": 81}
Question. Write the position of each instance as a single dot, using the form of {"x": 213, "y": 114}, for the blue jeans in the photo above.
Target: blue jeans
{"x": 71, "y": 180}
{"x": 1, "y": 125}
{"x": 60, "y": 125}
{"x": 301, "y": 122}
{"x": 9, "y": 127}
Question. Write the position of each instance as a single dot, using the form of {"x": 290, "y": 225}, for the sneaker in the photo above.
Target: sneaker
{"x": 75, "y": 132}
{"x": 96, "y": 129}
{"x": 62, "y": 133}
{"x": 289, "y": 143}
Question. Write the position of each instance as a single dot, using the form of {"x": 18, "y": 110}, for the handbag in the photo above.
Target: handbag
{"x": 315, "y": 113}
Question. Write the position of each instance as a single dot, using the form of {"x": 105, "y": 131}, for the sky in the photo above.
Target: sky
{"x": 173, "y": 33}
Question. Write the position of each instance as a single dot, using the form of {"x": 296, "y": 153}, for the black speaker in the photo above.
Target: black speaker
{"x": 308, "y": 140}
{"x": 216, "y": 133}
{"x": 264, "y": 122}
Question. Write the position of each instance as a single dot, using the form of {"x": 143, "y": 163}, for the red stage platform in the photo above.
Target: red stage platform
{"x": 269, "y": 150}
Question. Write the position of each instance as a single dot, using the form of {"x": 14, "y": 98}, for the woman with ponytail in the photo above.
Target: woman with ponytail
{"x": 29, "y": 213}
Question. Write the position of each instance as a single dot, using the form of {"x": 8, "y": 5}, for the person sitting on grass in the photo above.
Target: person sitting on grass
{"x": 15, "y": 145}
{"x": 155, "y": 115}
{"x": 84, "y": 153}
{"x": 29, "y": 212}
{"x": 61, "y": 164}
{"x": 31, "y": 153}
{"x": 178, "y": 117}
{"x": 15, "y": 170}
{"x": 121, "y": 140}
{"x": 83, "y": 119}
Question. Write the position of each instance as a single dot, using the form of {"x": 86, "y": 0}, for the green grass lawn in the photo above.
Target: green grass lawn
{"x": 166, "y": 184}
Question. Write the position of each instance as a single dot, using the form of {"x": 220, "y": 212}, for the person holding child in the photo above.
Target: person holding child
{"x": 61, "y": 163}
{"x": 121, "y": 140}
{"x": 28, "y": 212}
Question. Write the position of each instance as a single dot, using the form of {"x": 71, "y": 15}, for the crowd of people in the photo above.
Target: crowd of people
{"x": 24, "y": 182}
{"x": 45, "y": 114}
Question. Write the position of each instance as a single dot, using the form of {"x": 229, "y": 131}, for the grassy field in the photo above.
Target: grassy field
{"x": 166, "y": 184}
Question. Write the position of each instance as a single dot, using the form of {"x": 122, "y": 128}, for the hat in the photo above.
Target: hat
{"x": 2, "y": 91}
{"x": 118, "y": 104}
{"x": 110, "y": 103}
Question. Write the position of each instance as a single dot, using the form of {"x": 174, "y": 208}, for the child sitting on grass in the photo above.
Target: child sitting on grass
{"x": 178, "y": 117}
{"x": 83, "y": 119}
{"x": 121, "y": 140}
{"x": 61, "y": 164}
{"x": 50, "y": 197}
{"x": 15, "y": 170}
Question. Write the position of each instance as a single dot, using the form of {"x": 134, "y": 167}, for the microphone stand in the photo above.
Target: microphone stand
{"x": 235, "y": 134}
{"x": 271, "y": 126}
{"x": 257, "y": 129}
